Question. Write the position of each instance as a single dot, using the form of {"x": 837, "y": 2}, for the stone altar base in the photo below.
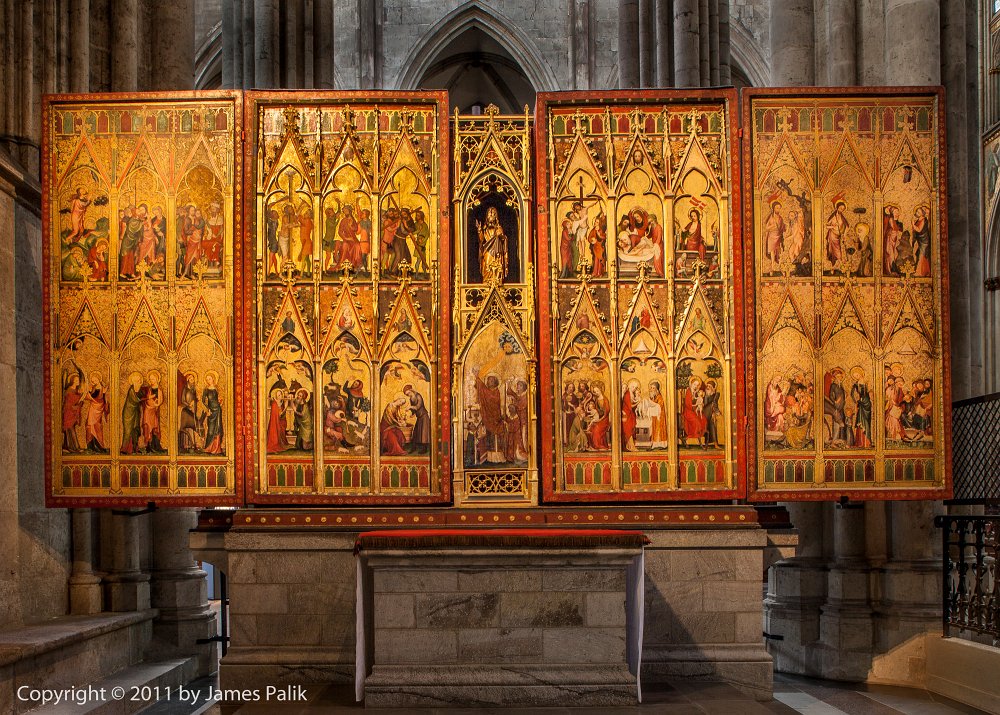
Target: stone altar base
{"x": 493, "y": 686}
{"x": 509, "y": 625}
{"x": 292, "y": 584}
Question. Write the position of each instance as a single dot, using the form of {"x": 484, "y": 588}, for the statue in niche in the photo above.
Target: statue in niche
{"x": 492, "y": 248}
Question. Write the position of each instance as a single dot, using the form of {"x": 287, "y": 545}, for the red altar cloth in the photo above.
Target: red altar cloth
{"x": 507, "y": 538}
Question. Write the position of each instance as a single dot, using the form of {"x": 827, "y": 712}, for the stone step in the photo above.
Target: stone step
{"x": 159, "y": 677}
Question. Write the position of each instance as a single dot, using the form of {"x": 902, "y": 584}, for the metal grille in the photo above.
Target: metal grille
{"x": 970, "y": 596}
{"x": 976, "y": 449}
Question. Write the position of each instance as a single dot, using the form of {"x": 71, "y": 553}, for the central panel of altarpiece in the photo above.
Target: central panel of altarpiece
{"x": 350, "y": 298}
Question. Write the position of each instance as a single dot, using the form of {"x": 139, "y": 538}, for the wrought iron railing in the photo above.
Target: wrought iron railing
{"x": 970, "y": 596}
{"x": 976, "y": 449}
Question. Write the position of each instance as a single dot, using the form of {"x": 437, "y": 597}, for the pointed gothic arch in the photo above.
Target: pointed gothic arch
{"x": 475, "y": 15}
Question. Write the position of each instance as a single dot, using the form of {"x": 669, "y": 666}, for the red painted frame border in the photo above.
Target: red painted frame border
{"x": 246, "y": 357}
{"x": 754, "y": 494}
{"x": 161, "y": 500}
{"x": 547, "y": 474}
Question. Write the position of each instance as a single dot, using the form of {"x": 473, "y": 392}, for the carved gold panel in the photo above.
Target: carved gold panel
{"x": 141, "y": 196}
{"x": 349, "y": 299}
{"x": 846, "y": 213}
{"x": 639, "y": 324}
{"x": 494, "y": 361}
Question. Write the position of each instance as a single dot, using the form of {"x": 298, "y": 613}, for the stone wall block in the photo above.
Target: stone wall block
{"x": 584, "y": 645}
{"x": 673, "y": 596}
{"x": 727, "y": 596}
{"x": 336, "y": 630}
{"x": 488, "y": 580}
{"x": 604, "y": 609}
{"x": 723, "y": 565}
{"x": 395, "y": 610}
{"x": 416, "y": 581}
{"x": 416, "y": 646}
{"x": 267, "y": 567}
{"x": 544, "y": 609}
{"x": 704, "y": 627}
{"x": 489, "y": 645}
{"x": 260, "y": 598}
{"x": 288, "y": 630}
{"x": 243, "y": 630}
{"x": 472, "y": 610}
{"x": 326, "y": 597}
{"x": 584, "y": 580}
{"x": 749, "y": 627}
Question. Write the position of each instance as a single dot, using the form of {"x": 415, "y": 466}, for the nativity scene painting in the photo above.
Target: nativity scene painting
{"x": 847, "y": 195}
{"x": 638, "y": 319}
{"x": 348, "y": 290}
{"x": 139, "y": 251}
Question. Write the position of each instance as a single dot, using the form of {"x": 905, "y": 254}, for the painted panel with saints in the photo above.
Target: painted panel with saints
{"x": 849, "y": 276}
{"x": 351, "y": 355}
{"x": 495, "y": 452}
{"x": 140, "y": 199}
{"x": 637, "y": 313}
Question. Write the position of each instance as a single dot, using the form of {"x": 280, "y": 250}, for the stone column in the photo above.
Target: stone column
{"x": 292, "y": 35}
{"x": 126, "y": 587}
{"x": 647, "y": 36}
{"x": 79, "y": 46}
{"x": 580, "y": 44}
{"x": 911, "y": 597}
{"x": 628, "y": 43}
{"x": 229, "y": 43}
{"x": 792, "y": 41}
{"x": 248, "y": 75}
{"x": 27, "y": 154}
{"x": 725, "y": 74}
{"x": 664, "y": 43}
{"x": 713, "y": 40}
{"x": 841, "y": 69}
{"x": 85, "y": 595}
{"x": 173, "y": 45}
{"x": 323, "y": 34}
{"x": 912, "y": 42}
{"x": 846, "y": 620}
{"x": 125, "y": 42}
{"x": 965, "y": 333}
{"x": 796, "y": 589}
{"x": 265, "y": 43}
{"x": 687, "y": 52}
{"x": 10, "y": 564}
{"x": 704, "y": 56}
{"x": 180, "y": 591}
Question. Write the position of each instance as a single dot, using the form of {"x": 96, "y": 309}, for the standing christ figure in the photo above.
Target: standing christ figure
{"x": 492, "y": 248}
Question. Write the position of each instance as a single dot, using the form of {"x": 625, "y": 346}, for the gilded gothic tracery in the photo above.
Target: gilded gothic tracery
{"x": 140, "y": 217}
{"x": 494, "y": 310}
{"x": 638, "y": 322}
{"x": 350, "y": 361}
{"x": 849, "y": 238}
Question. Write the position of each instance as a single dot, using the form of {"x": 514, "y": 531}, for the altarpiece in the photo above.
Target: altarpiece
{"x": 345, "y": 298}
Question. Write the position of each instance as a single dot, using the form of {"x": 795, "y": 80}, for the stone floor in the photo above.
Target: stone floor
{"x": 792, "y": 694}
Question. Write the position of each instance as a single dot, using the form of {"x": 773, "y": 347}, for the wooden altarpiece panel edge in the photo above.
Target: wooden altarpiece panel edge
{"x": 752, "y": 415}
{"x": 545, "y": 100}
{"x": 103, "y": 495}
{"x": 440, "y": 407}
